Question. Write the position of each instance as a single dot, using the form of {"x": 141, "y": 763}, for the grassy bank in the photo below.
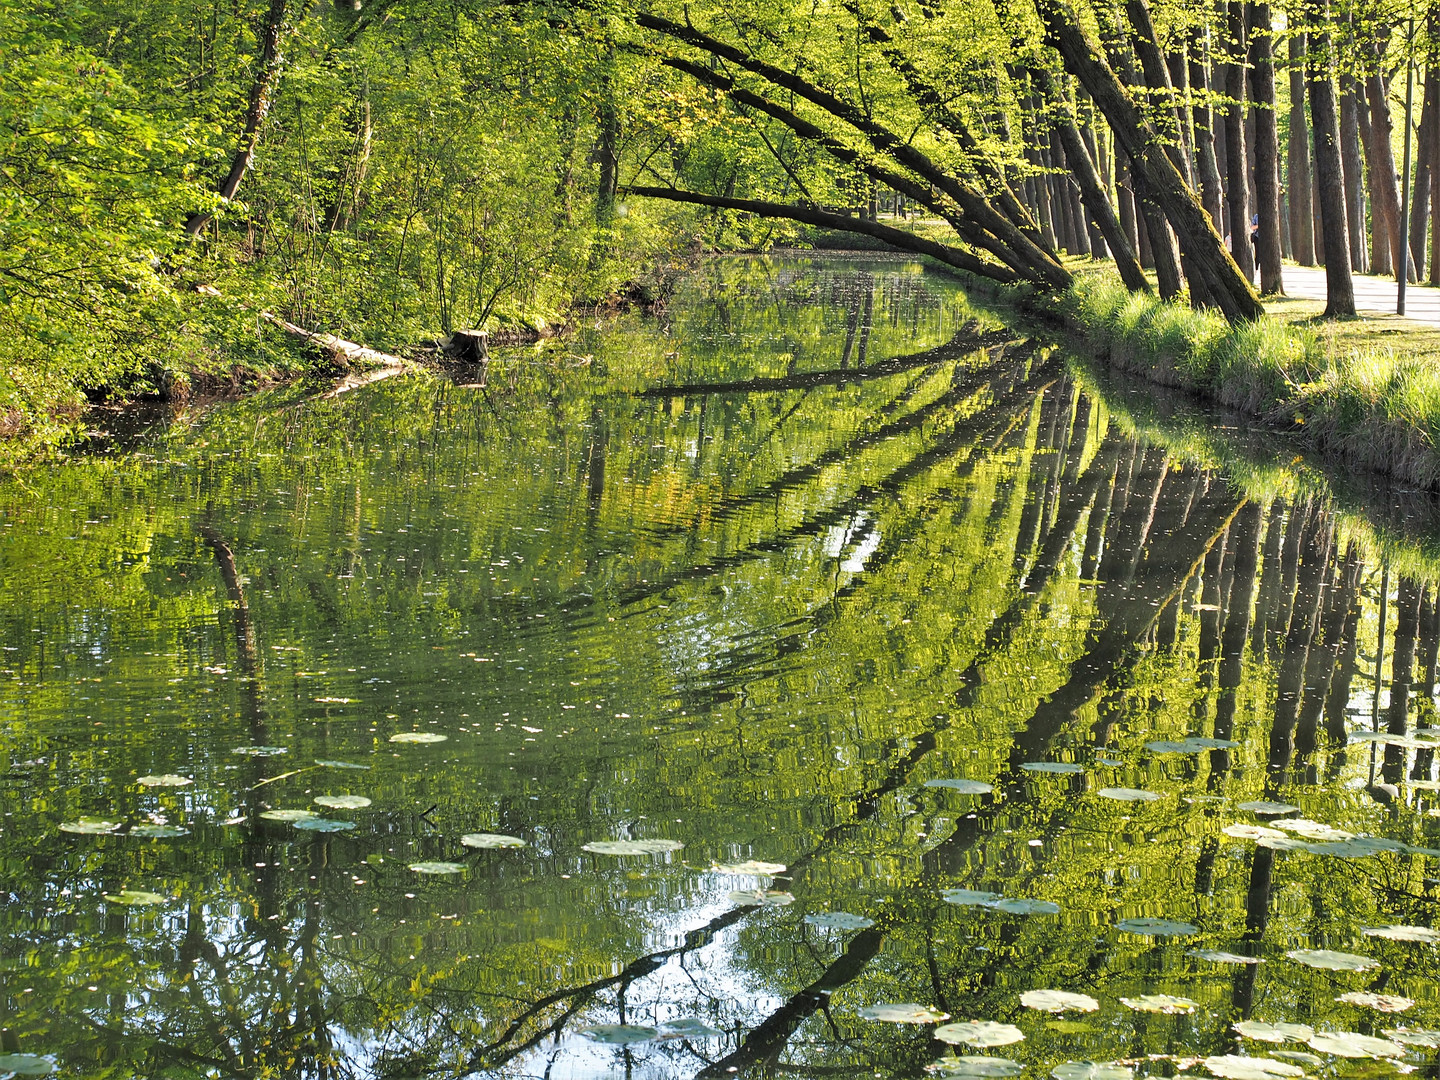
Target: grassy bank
{"x": 1369, "y": 404}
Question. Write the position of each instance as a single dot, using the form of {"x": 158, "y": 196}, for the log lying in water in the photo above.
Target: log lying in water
{"x": 380, "y": 365}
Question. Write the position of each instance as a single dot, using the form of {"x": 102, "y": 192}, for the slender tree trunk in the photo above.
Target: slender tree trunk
{"x": 262, "y": 93}
{"x": 607, "y": 145}
{"x": 1354, "y": 176}
{"x": 1094, "y": 203}
{"x": 1162, "y": 244}
{"x": 1302, "y": 234}
{"x": 1157, "y": 81}
{"x": 1339, "y": 289}
{"x": 1267, "y": 147}
{"x": 1237, "y": 183}
{"x": 1126, "y": 198}
{"x": 1206, "y": 169}
{"x": 1435, "y": 202}
{"x": 1424, "y": 165}
{"x": 1383, "y": 182}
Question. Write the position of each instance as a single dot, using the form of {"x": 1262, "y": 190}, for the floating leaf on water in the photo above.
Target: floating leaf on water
{"x": 1156, "y": 927}
{"x": 320, "y": 824}
{"x": 632, "y": 847}
{"x": 975, "y": 1066}
{"x": 1239, "y": 1067}
{"x": 1389, "y": 1003}
{"x": 688, "y": 1027}
{"x": 761, "y": 898}
{"x": 620, "y": 1034}
{"x": 1218, "y": 956}
{"x": 1351, "y": 1044}
{"x": 342, "y": 802}
{"x": 1195, "y": 745}
{"x": 1160, "y": 1003}
{"x": 968, "y": 897}
{"x": 287, "y": 815}
{"x": 1297, "y": 1055}
{"x": 418, "y": 737}
{"x": 134, "y": 898}
{"x": 1402, "y": 933}
{"x": 158, "y": 832}
{"x": 90, "y": 826}
{"x": 1424, "y": 785}
{"x": 750, "y": 866}
{"x": 1203, "y": 799}
{"x": 1359, "y": 847}
{"x": 26, "y": 1065}
{"x": 1245, "y": 831}
{"x": 1025, "y": 906}
{"x": 965, "y": 787}
{"x": 1057, "y": 767}
{"x": 1091, "y": 1070}
{"x": 260, "y": 751}
{"x": 1313, "y": 830}
{"x": 332, "y": 763}
{"x": 1266, "y": 807}
{"x": 839, "y": 920}
{"x": 1128, "y": 794}
{"x": 981, "y": 1033}
{"x": 1058, "y": 1001}
{"x": 1329, "y": 960}
{"x": 438, "y": 868}
{"x": 164, "y": 780}
{"x": 1275, "y": 1033}
{"x": 1363, "y": 736}
{"x": 901, "y": 1013}
{"x": 1283, "y": 843}
{"x": 488, "y": 840}
{"x": 1415, "y": 1037}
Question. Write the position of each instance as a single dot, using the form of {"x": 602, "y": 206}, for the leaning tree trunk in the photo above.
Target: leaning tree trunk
{"x": 1096, "y": 204}
{"x": 1207, "y": 171}
{"x": 1354, "y": 175}
{"x": 1383, "y": 185}
{"x": 1302, "y": 230}
{"x": 1267, "y": 147}
{"x": 1237, "y": 182}
{"x": 262, "y": 93}
{"x": 1339, "y": 289}
{"x": 1424, "y": 165}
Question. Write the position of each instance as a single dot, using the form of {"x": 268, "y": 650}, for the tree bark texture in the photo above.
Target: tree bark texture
{"x": 1237, "y": 182}
{"x": 1329, "y": 174}
{"x": 1354, "y": 175}
{"x": 1267, "y": 147}
{"x": 1302, "y": 232}
{"x": 1424, "y": 165}
{"x": 1207, "y": 171}
{"x": 1384, "y": 186}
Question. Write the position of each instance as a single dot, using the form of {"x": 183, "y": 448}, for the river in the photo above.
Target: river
{"x": 795, "y": 684}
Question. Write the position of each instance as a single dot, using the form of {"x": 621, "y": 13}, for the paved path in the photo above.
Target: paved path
{"x": 1373, "y": 295}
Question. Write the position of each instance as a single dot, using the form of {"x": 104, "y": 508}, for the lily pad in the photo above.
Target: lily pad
{"x": 261, "y": 751}
{"x": 1240, "y": 1067}
{"x": 965, "y": 787}
{"x": 332, "y": 763}
{"x": 438, "y": 868}
{"x": 1128, "y": 794}
{"x": 1313, "y": 830}
{"x": 418, "y": 737}
{"x": 1058, "y": 1001}
{"x": 1056, "y": 767}
{"x": 968, "y": 897}
{"x": 1274, "y": 1033}
{"x": 1091, "y": 1070}
{"x": 135, "y": 898}
{"x": 620, "y": 1034}
{"x": 761, "y": 898}
{"x": 1388, "y": 1003}
{"x": 1283, "y": 843}
{"x": 26, "y": 1065}
{"x": 1415, "y": 1037}
{"x": 751, "y": 866}
{"x": 1351, "y": 1044}
{"x": 1160, "y": 1003}
{"x": 839, "y": 920}
{"x": 342, "y": 802}
{"x": 1403, "y": 933}
{"x": 320, "y": 824}
{"x": 1025, "y": 906}
{"x": 90, "y": 826}
{"x": 1348, "y": 849}
{"x": 490, "y": 840}
{"x": 164, "y": 780}
{"x": 287, "y": 815}
{"x": 1298, "y": 1055}
{"x": 1156, "y": 927}
{"x": 979, "y": 1033}
{"x": 975, "y": 1066}
{"x": 632, "y": 847}
{"x": 901, "y": 1013}
{"x": 1329, "y": 960}
{"x": 688, "y": 1027}
{"x": 1219, "y": 956}
{"x": 1268, "y": 808}
{"x": 158, "y": 832}
{"x": 1194, "y": 745}
{"x": 1244, "y": 831}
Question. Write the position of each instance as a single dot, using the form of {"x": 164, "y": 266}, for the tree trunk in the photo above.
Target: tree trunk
{"x": 607, "y": 145}
{"x": 1162, "y": 243}
{"x": 1424, "y": 165}
{"x": 1206, "y": 169}
{"x": 1435, "y": 201}
{"x": 1354, "y": 176}
{"x": 262, "y": 93}
{"x": 1099, "y": 214}
{"x": 1126, "y": 198}
{"x": 1302, "y": 233}
{"x": 1384, "y": 186}
{"x": 1237, "y": 183}
{"x": 1267, "y": 147}
{"x": 1329, "y": 174}
{"x": 1157, "y": 81}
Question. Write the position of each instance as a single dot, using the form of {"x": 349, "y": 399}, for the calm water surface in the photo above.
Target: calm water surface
{"x": 951, "y": 686}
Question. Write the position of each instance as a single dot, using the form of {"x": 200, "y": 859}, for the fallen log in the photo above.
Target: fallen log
{"x": 380, "y": 365}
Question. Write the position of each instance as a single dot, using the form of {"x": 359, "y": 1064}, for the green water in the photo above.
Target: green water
{"x": 759, "y": 614}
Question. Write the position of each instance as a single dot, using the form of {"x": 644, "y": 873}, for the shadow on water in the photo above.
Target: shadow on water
{"x": 958, "y": 670}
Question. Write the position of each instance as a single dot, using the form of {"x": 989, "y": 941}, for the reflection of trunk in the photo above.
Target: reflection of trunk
{"x": 1270, "y": 574}
{"x": 1257, "y": 917}
{"x": 867, "y": 316}
{"x": 1429, "y": 646}
{"x": 1339, "y": 697}
{"x": 1325, "y": 654}
{"x": 1304, "y": 616}
{"x": 1402, "y": 668}
{"x": 247, "y": 657}
{"x": 1246, "y": 540}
